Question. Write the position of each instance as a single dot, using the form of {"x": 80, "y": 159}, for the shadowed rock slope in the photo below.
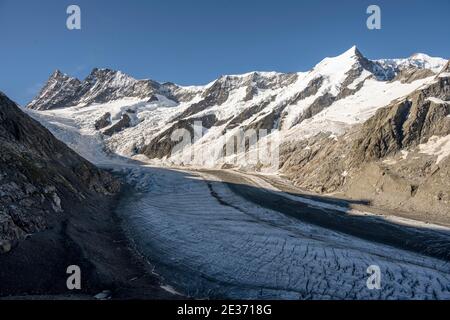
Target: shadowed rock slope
{"x": 55, "y": 211}
{"x": 40, "y": 176}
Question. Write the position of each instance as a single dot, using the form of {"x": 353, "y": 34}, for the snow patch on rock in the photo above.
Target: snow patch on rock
{"x": 437, "y": 146}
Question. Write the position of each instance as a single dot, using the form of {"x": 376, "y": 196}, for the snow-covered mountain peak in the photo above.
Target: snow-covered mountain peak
{"x": 416, "y": 61}
{"x": 346, "y": 67}
{"x": 58, "y": 74}
{"x": 110, "y": 78}
{"x": 353, "y": 52}
{"x": 100, "y": 86}
{"x": 382, "y": 69}
{"x": 56, "y": 92}
{"x": 343, "y": 70}
{"x": 425, "y": 61}
{"x": 59, "y": 77}
{"x": 345, "y": 59}
{"x": 348, "y": 57}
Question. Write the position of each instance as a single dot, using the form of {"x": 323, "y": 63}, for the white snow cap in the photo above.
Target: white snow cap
{"x": 418, "y": 60}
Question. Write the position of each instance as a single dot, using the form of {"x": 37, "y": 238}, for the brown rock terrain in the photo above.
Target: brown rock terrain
{"x": 381, "y": 160}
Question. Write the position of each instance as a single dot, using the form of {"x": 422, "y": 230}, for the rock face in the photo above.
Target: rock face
{"x": 59, "y": 91}
{"x": 406, "y": 124}
{"x": 100, "y": 85}
{"x": 123, "y": 123}
{"x": 162, "y": 145}
{"x": 40, "y": 177}
{"x": 103, "y": 122}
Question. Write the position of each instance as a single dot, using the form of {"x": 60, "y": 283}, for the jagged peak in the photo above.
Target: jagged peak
{"x": 100, "y": 85}
{"x": 57, "y": 79}
{"x": 350, "y": 53}
{"x": 353, "y": 51}
{"x": 342, "y": 63}
{"x": 102, "y": 72}
{"x": 58, "y": 74}
{"x": 96, "y": 71}
{"x": 115, "y": 78}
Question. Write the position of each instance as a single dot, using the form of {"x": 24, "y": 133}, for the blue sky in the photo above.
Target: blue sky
{"x": 194, "y": 42}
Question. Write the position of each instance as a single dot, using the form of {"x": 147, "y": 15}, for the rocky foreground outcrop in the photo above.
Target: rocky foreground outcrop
{"x": 40, "y": 176}
{"x": 57, "y": 210}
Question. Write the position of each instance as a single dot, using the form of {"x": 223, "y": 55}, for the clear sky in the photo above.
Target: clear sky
{"x": 195, "y": 41}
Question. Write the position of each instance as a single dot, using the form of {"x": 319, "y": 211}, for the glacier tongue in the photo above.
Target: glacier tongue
{"x": 235, "y": 249}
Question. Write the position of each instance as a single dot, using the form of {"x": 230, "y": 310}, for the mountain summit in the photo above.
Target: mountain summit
{"x": 100, "y": 86}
